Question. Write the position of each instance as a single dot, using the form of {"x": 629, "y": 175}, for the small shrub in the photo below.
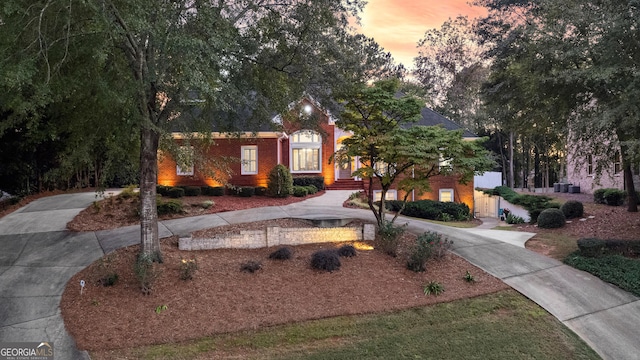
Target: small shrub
{"x": 109, "y": 280}
{"x": 347, "y": 251}
{"x": 468, "y": 277}
{"x": 283, "y": 253}
{"x": 245, "y": 191}
{"x": 162, "y": 190}
{"x": 628, "y": 248}
{"x": 187, "y": 268}
{"x": 315, "y": 180}
{"x": 311, "y": 189}
{"x": 420, "y": 253}
{"x": 192, "y": 191}
{"x": 172, "y": 206}
{"x": 300, "y": 191}
{"x": 433, "y": 287}
{"x": 260, "y": 191}
{"x": 514, "y": 219}
{"x": 280, "y": 183}
{"x": 551, "y": 219}
{"x": 146, "y": 272}
{"x": 572, "y": 209}
{"x": 389, "y": 237}
{"x": 598, "y": 196}
{"x": 327, "y": 260}
{"x": 175, "y": 192}
{"x": 251, "y": 266}
{"x": 614, "y": 197}
{"x": 129, "y": 192}
{"x": 217, "y": 191}
{"x": 591, "y": 247}
{"x": 207, "y": 204}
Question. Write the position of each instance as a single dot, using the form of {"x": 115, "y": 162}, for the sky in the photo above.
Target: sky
{"x": 398, "y": 25}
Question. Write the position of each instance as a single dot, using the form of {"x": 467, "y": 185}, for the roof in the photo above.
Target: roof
{"x": 432, "y": 118}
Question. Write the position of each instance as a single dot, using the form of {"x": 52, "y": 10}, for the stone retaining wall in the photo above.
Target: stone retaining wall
{"x": 275, "y": 236}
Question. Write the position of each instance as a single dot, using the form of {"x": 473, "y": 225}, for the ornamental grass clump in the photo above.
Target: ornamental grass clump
{"x": 283, "y": 253}
{"x": 346, "y": 251}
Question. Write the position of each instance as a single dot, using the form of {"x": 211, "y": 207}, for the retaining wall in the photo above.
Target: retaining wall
{"x": 275, "y": 236}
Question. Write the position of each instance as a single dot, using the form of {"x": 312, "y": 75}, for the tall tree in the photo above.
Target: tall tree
{"x": 244, "y": 58}
{"x": 392, "y": 151}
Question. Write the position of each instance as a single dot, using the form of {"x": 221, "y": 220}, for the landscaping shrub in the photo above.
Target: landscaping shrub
{"x": 300, "y": 191}
{"x": 217, "y": 191}
{"x": 175, "y": 192}
{"x": 207, "y": 204}
{"x": 615, "y": 269}
{"x": 347, "y": 251}
{"x": 598, "y": 196}
{"x": 389, "y": 237}
{"x": 514, "y": 219}
{"x": 129, "y": 192}
{"x": 245, "y": 191}
{"x": 327, "y": 260}
{"x": 433, "y": 210}
{"x": 629, "y": 248}
{"x": 311, "y": 189}
{"x": 551, "y": 219}
{"x": 169, "y": 207}
{"x": 280, "y": 183}
{"x": 187, "y": 268}
{"x": 572, "y": 209}
{"x": 283, "y": 253}
{"x": 591, "y": 247}
{"x": 251, "y": 266}
{"x": 421, "y": 252}
{"x": 393, "y": 205}
{"x": 614, "y": 197}
{"x": 317, "y": 181}
{"x": 109, "y": 279}
{"x": 260, "y": 191}
{"x": 192, "y": 191}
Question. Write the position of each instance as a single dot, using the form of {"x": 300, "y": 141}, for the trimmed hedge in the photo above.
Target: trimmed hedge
{"x": 551, "y": 219}
{"x": 175, "y": 192}
{"x": 591, "y": 247}
{"x": 572, "y": 209}
{"x": 212, "y": 191}
{"x": 162, "y": 190}
{"x": 260, "y": 191}
{"x": 317, "y": 181}
{"x": 192, "y": 191}
{"x": 300, "y": 191}
{"x": 245, "y": 191}
{"x": 434, "y": 210}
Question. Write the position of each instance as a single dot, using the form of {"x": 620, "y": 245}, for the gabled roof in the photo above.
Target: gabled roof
{"x": 432, "y": 118}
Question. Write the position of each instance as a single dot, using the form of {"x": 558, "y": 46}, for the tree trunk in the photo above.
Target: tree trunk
{"x": 632, "y": 197}
{"x": 511, "y": 183}
{"x": 148, "y": 211}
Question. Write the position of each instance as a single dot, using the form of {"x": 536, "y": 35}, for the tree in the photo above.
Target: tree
{"x": 242, "y": 58}
{"x": 451, "y": 69}
{"x": 393, "y": 152}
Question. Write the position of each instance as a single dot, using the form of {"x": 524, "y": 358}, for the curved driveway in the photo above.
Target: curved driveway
{"x": 38, "y": 256}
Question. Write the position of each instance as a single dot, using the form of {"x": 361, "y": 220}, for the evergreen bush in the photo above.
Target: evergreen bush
{"x": 260, "y": 191}
{"x": 305, "y": 180}
{"x": 572, "y": 209}
{"x": 283, "y": 253}
{"x": 192, "y": 191}
{"x": 245, "y": 191}
{"x": 347, "y": 251}
{"x": 169, "y": 207}
{"x": 327, "y": 260}
{"x": 591, "y": 247}
{"x": 175, "y": 192}
{"x": 280, "y": 183}
{"x": 389, "y": 237}
{"x": 551, "y": 219}
{"x": 614, "y": 197}
{"x": 300, "y": 191}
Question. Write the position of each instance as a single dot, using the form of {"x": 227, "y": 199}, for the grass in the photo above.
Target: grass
{"x": 504, "y": 325}
{"x": 612, "y": 268}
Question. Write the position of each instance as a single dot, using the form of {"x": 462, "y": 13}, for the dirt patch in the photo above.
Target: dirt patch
{"x": 221, "y": 298}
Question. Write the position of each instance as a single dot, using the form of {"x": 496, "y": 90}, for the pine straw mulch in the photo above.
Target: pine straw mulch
{"x": 117, "y": 211}
{"x": 221, "y": 298}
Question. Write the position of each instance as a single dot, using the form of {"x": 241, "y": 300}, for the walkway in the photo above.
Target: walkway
{"x": 38, "y": 256}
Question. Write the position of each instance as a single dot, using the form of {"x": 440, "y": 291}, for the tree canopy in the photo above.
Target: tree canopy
{"x": 394, "y": 151}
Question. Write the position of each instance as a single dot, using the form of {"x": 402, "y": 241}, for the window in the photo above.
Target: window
{"x": 249, "y": 158}
{"x": 306, "y": 151}
{"x": 185, "y": 157}
{"x": 589, "y": 165}
{"x": 391, "y": 195}
{"x": 446, "y": 195}
{"x": 617, "y": 165}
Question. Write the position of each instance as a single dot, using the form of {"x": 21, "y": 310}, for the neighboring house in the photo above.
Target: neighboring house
{"x": 582, "y": 170}
{"x": 304, "y": 152}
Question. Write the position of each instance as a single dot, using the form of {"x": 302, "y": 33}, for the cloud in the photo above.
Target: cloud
{"x": 398, "y": 25}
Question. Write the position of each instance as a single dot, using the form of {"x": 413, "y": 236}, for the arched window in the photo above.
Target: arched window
{"x": 305, "y": 151}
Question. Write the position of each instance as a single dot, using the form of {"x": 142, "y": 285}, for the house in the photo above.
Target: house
{"x": 591, "y": 172}
{"x": 305, "y": 152}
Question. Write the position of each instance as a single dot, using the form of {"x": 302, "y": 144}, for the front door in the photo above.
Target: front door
{"x": 345, "y": 171}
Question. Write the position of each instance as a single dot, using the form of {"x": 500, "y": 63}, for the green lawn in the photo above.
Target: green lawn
{"x": 504, "y": 325}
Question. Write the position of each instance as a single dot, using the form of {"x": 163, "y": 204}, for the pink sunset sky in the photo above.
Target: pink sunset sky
{"x": 398, "y": 25}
